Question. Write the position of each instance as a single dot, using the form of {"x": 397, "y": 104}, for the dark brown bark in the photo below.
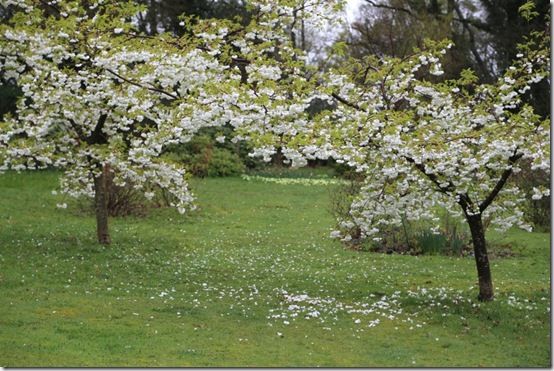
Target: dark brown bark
{"x": 101, "y": 198}
{"x": 481, "y": 257}
{"x": 501, "y": 182}
{"x": 278, "y": 158}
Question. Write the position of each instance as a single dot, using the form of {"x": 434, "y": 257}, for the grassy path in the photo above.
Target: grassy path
{"x": 250, "y": 279}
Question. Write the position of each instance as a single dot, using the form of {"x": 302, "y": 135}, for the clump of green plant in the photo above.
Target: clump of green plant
{"x": 224, "y": 163}
{"x": 209, "y": 154}
{"x": 450, "y": 239}
{"x": 441, "y": 243}
{"x": 432, "y": 243}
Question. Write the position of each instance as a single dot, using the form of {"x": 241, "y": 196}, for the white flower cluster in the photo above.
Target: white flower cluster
{"x": 301, "y": 181}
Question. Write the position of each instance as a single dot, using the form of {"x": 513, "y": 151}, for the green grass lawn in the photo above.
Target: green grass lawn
{"x": 250, "y": 279}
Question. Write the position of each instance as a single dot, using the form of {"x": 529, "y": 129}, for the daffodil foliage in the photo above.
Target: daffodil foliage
{"x": 98, "y": 93}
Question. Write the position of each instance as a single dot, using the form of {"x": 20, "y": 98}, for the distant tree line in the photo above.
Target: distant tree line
{"x": 485, "y": 34}
{"x": 164, "y": 14}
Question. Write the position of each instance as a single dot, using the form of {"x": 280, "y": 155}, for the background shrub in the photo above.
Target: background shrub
{"x": 537, "y": 211}
{"x": 205, "y": 156}
{"x": 224, "y": 163}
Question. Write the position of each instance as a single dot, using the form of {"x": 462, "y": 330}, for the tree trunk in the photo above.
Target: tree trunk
{"x": 278, "y": 158}
{"x": 481, "y": 257}
{"x": 101, "y": 198}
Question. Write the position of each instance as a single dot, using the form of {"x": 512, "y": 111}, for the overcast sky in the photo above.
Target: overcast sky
{"x": 326, "y": 36}
{"x": 352, "y": 9}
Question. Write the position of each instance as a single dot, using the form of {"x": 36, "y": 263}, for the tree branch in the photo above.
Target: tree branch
{"x": 141, "y": 86}
{"x": 432, "y": 177}
{"x": 501, "y": 182}
{"x": 78, "y": 130}
{"x": 472, "y": 42}
{"x": 97, "y": 137}
{"x": 49, "y": 4}
{"x": 463, "y": 199}
{"x": 390, "y": 7}
{"x": 475, "y": 23}
{"x": 241, "y": 64}
{"x": 346, "y": 102}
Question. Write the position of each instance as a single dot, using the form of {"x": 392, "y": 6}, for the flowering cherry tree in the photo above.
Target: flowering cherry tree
{"x": 98, "y": 100}
{"x": 102, "y": 101}
{"x": 425, "y": 145}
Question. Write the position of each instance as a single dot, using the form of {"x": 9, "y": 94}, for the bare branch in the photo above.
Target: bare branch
{"x": 390, "y": 7}
{"x": 472, "y": 41}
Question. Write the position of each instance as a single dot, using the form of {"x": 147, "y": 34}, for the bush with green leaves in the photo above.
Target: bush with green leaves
{"x": 205, "y": 155}
{"x": 225, "y": 163}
